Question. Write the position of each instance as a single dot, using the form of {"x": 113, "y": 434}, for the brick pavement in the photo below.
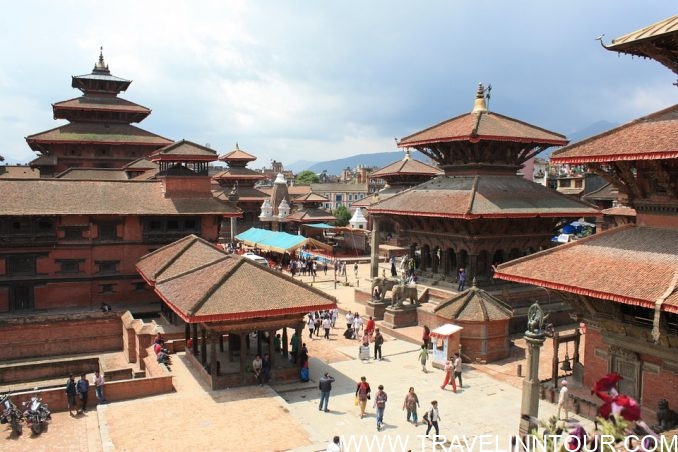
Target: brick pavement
{"x": 261, "y": 419}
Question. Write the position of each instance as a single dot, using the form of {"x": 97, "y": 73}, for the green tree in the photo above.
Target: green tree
{"x": 306, "y": 177}
{"x": 342, "y": 215}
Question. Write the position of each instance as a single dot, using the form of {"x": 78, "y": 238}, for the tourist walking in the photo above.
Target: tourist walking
{"x": 380, "y": 405}
{"x": 457, "y": 367}
{"x": 562, "y": 399}
{"x": 378, "y": 342}
{"x": 71, "y": 393}
{"x": 410, "y": 404}
{"x": 362, "y": 394}
{"x": 83, "y": 391}
{"x": 99, "y": 386}
{"x": 325, "y": 386}
{"x": 461, "y": 279}
{"x": 327, "y": 324}
{"x": 311, "y": 325}
{"x": 426, "y": 336}
{"x": 423, "y": 357}
{"x": 357, "y": 325}
{"x": 349, "y": 319}
{"x": 432, "y": 417}
{"x": 449, "y": 376}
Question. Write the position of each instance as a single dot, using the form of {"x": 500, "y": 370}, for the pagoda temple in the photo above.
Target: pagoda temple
{"x": 397, "y": 176}
{"x": 625, "y": 282}
{"x": 236, "y": 184}
{"x": 479, "y": 212}
{"x": 99, "y": 133}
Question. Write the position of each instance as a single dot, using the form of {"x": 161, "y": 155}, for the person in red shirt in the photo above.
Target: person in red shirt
{"x": 369, "y": 328}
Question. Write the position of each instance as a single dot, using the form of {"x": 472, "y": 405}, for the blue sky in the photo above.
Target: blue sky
{"x": 320, "y": 80}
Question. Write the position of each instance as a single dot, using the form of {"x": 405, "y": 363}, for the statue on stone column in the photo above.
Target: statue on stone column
{"x": 535, "y": 320}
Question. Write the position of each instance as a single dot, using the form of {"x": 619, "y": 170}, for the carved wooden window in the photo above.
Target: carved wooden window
{"x": 21, "y": 265}
{"x": 108, "y": 266}
{"x": 107, "y": 288}
{"x": 69, "y": 265}
{"x": 107, "y": 231}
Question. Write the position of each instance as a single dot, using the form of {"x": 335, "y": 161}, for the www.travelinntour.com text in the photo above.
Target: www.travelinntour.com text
{"x": 498, "y": 443}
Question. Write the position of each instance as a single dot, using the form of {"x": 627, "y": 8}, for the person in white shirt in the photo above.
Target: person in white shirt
{"x": 327, "y": 324}
{"x": 357, "y": 325}
{"x": 349, "y": 319}
{"x": 432, "y": 417}
{"x": 99, "y": 386}
{"x": 562, "y": 399}
{"x": 335, "y": 445}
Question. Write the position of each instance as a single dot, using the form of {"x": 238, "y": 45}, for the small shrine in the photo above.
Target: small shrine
{"x": 485, "y": 320}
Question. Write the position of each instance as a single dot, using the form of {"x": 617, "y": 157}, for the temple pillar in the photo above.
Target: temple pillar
{"x": 233, "y": 229}
{"x": 374, "y": 248}
{"x": 460, "y": 260}
{"x": 203, "y": 346}
{"x": 194, "y": 337}
{"x": 187, "y": 332}
{"x": 221, "y": 342}
{"x": 285, "y": 344}
{"x": 243, "y": 354}
{"x": 472, "y": 271}
{"x": 534, "y": 338}
{"x": 213, "y": 358}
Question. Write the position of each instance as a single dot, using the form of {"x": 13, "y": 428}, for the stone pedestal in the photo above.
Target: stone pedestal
{"x": 401, "y": 317}
{"x": 375, "y": 309}
{"x": 529, "y": 408}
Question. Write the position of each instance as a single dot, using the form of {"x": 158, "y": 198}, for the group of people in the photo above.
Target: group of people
{"x": 306, "y": 266}
{"x": 325, "y": 320}
{"x": 80, "y": 390}
{"x": 363, "y": 393}
{"x": 161, "y": 353}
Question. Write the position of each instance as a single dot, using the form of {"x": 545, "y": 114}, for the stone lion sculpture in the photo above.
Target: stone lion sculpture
{"x": 667, "y": 419}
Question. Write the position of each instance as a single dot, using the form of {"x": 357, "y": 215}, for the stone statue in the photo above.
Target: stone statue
{"x": 667, "y": 419}
{"x": 402, "y": 292}
{"x": 384, "y": 285}
{"x": 535, "y": 319}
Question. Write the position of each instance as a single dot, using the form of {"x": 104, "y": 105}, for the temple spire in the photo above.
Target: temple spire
{"x": 101, "y": 66}
{"x": 407, "y": 155}
{"x": 479, "y": 105}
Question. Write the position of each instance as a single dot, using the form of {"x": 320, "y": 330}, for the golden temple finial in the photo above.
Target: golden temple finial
{"x": 407, "y": 155}
{"x": 101, "y": 66}
{"x": 236, "y": 146}
{"x": 479, "y": 105}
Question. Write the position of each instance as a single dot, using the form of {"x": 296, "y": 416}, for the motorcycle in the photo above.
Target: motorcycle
{"x": 36, "y": 414}
{"x": 10, "y": 414}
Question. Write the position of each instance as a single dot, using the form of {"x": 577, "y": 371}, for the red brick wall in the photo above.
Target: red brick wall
{"x": 658, "y": 385}
{"x": 114, "y": 391}
{"x": 596, "y": 366}
{"x": 60, "y": 335}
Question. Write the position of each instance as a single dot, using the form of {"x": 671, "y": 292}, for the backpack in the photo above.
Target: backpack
{"x": 427, "y": 416}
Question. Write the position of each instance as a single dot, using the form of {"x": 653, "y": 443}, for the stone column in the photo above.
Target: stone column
{"x": 203, "y": 346}
{"x": 243, "y": 355}
{"x": 285, "y": 344}
{"x": 233, "y": 229}
{"x": 213, "y": 357}
{"x": 472, "y": 271}
{"x": 534, "y": 338}
{"x": 374, "y": 248}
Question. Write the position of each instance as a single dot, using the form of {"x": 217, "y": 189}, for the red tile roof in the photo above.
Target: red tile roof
{"x": 184, "y": 150}
{"x": 629, "y": 264}
{"x": 406, "y": 167}
{"x": 101, "y": 103}
{"x": 652, "y": 137}
{"x": 471, "y": 197}
{"x": 310, "y": 197}
{"x": 239, "y": 173}
{"x": 93, "y": 174}
{"x": 237, "y": 155}
{"x": 177, "y": 258}
{"x": 473, "y": 305}
{"x": 311, "y": 215}
{"x": 70, "y": 197}
{"x": 89, "y": 132}
{"x": 213, "y": 287}
{"x": 620, "y": 210}
{"x": 483, "y": 125}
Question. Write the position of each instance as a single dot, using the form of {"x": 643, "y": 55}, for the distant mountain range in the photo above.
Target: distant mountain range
{"x": 381, "y": 159}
